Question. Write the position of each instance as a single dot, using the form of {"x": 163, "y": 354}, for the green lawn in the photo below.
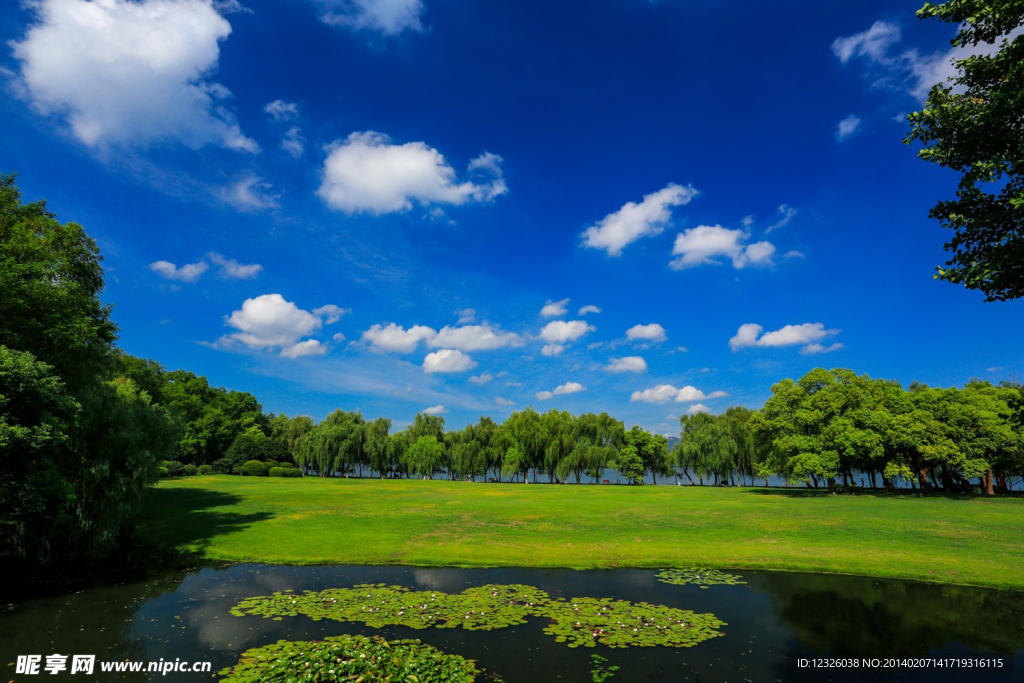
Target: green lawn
{"x": 338, "y": 521}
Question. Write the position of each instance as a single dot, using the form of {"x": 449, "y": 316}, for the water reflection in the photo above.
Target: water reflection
{"x": 773, "y": 620}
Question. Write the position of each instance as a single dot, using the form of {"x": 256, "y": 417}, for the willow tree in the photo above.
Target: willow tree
{"x": 706, "y": 446}
{"x": 378, "y": 446}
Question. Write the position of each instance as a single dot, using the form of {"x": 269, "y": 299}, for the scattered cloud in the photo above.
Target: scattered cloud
{"x": 190, "y": 272}
{"x": 503, "y": 401}
{"x": 367, "y": 173}
{"x": 130, "y": 74}
{"x": 650, "y": 333}
{"x": 815, "y": 349}
{"x": 338, "y": 337}
{"x": 634, "y": 221}
{"x": 697, "y": 408}
{"x": 331, "y": 313}
{"x": 269, "y": 321}
{"x": 627, "y": 364}
{"x": 435, "y": 410}
{"x": 567, "y": 388}
{"x": 873, "y": 43}
{"x": 250, "y": 193}
{"x": 589, "y": 309}
{"x": 447, "y": 360}
{"x": 232, "y": 269}
{"x": 847, "y": 127}
{"x": 293, "y": 142}
{"x": 388, "y": 17}
{"x": 482, "y": 378}
{"x": 310, "y": 347}
{"x": 708, "y": 243}
{"x": 997, "y": 368}
{"x": 787, "y": 214}
{"x": 552, "y": 349}
{"x": 474, "y": 338}
{"x": 808, "y": 335}
{"x": 466, "y": 315}
{"x": 279, "y": 110}
{"x": 663, "y": 393}
{"x": 554, "y": 309}
{"x": 396, "y": 338}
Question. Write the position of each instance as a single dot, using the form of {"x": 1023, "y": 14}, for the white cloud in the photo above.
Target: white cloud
{"x": 552, "y": 349}
{"x": 806, "y": 334}
{"x": 435, "y": 410}
{"x": 310, "y": 347}
{"x": 707, "y": 243}
{"x": 663, "y": 393}
{"x": 270, "y": 321}
{"x": 554, "y": 309}
{"x": 652, "y": 333}
{"x": 788, "y": 213}
{"x": 130, "y": 74}
{"x": 589, "y": 309}
{"x": 474, "y": 338}
{"x": 873, "y": 43}
{"x": 815, "y": 349}
{"x": 561, "y": 390}
{"x": 331, "y": 313}
{"x": 447, "y": 360}
{"x": 633, "y": 221}
{"x": 697, "y": 408}
{"x": 482, "y": 378}
{"x": 190, "y": 272}
{"x": 389, "y": 17}
{"x": 279, "y": 110}
{"x": 250, "y": 193}
{"x": 503, "y": 401}
{"x": 466, "y": 315}
{"x": 232, "y": 269}
{"x": 397, "y": 338}
{"x": 293, "y": 142}
{"x": 847, "y": 127}
{"x": 627, "y": 364}
{"x": 338, "y": 337}
{"x": 367, "y": 173}
{"x": 564, "y": 331}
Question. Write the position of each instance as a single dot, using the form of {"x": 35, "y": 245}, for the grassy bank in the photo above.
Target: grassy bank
{"x": 336, "y": 521}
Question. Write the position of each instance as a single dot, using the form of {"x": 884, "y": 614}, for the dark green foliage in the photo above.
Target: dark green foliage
{"x": 350, "y": 658}
{"x": 579, "y": 621}
{"x": 189, "y": 470}
{"x": 163, "y": 472}
{"x": 254, "y": 468}
{"x": 601, "y": 671}
{"x": 175, "y": 468}
{"x": 284, "y": 472}
{"x": 975, "y": 126}
{"x": 204, "y": 469}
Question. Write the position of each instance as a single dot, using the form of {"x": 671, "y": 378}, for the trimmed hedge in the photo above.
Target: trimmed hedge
{"x": 204, "y": 469}
{"x": 284, "y": 472}
{"x": 189, "y": 470}
{"x": 254, "y": 468}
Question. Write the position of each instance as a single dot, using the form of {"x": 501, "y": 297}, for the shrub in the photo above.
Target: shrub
{"x": 254, "y": 468}
{"x": 164, "y": 472}
{"x": 275, "y": 472}
{"x": 174, "y": 468}
{"x": 205, "y": 469}
{"x": 254, "y": 445}
{"x": 189, "y": 470}
{"x": 284, "y": 472}
{"x": 271, "y": 464}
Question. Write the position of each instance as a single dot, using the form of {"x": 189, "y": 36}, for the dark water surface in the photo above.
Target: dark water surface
{"x": 773, "y": 621}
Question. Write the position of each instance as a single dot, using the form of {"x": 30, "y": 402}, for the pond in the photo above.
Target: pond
{"x": 771, "y": 622}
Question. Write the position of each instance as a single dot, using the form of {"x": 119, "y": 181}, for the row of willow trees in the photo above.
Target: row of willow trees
{"x": 831, "y": 428}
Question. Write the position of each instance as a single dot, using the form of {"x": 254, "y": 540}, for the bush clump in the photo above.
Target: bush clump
{"x": 284, "y": 472}
{"x": 204, "y": 469}
{"x": 254, "y": 468}
{"x": 164, "y": 472}
{"x": 189, "y": 470}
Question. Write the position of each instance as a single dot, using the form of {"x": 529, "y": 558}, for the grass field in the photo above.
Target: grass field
{"x": 337, "y": 521}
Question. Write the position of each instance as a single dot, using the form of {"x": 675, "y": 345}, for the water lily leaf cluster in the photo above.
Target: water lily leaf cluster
{"x": 698, "y": 577}
{"x": 350, "y": 658}
{"x": 579, "y": 621}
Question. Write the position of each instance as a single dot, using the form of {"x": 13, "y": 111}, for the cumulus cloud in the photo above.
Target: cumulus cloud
{"x": 627, "y": 364}
{"x": 389, "y": 17}
{"x": 130, "y": 74}
{"x": 663, "y": 393}
{"x": 709, "y": 243}
{"x": 250, "y": 193}
{"x": 697, "y": 408}
{"x": 269, "y": 321}
{"x": 447, "y": 360}
{"x": 634, "y": 221}
{"x": 435, "y": 410}
{"x": 847, "y": 127}
{"x": 366, "y": 172}
{"x": 910, "y": 70}
{"x": 331, "y": 313}
{"x": 396, "y": 338}
{"x": 474, "y": 338}
{"x": 651, "y": 333}
{"x": 554, "y": 309}
{"x": 590, "y": 308}
{"x": 807, "y": 334}
{"x": 564, "y": 331}
{"x": 482, "y": 378}
{"x": 190, "y": 272}
{"x": 232, "y": 269}
{"x": 310, "y": 347}
{"x": 552, "y": 349}
{"x": 567, "y": 388}
{"x": 279, "y": 110}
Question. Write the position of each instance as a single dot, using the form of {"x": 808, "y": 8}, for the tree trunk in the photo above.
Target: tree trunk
{"x": 988, "y": 484}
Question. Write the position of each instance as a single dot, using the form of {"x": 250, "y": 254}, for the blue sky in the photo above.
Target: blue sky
{"x": 303, "y": 199}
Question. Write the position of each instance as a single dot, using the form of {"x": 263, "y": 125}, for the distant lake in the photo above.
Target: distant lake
{"x": 773, "y": 621}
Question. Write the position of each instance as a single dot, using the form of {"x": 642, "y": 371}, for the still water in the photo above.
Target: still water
{"x": 773, "y": 621}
